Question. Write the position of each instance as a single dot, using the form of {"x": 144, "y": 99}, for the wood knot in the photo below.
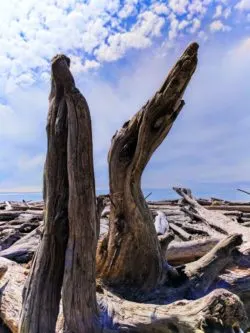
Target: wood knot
{"x": 3, "y": 270}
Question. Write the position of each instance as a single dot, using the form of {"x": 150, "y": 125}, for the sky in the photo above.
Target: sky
{"x": 121, "y": 51}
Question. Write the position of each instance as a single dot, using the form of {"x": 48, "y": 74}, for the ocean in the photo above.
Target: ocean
{"x": 224, "y": 191}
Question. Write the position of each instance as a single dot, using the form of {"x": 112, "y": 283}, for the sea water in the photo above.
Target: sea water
{"x": 223, "y": 191}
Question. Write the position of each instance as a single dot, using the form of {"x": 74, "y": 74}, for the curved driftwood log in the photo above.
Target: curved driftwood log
{"x": 220, "y": 307}
{"x": 132, "y": 241}
{"x": 119, "y": 315}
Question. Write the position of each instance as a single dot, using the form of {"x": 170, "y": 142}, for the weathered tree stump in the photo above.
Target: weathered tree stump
{"x": 132, "y": 241}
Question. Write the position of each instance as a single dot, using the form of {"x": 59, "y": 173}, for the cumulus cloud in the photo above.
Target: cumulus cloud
{"x": 217, "y": 25}
{"x": 178, "y": 6}
{"x": 196, "y": 24}
{"x": 218, "y": 11}
{"x": 243, "y": 5}
{"x": 92, "y": 32}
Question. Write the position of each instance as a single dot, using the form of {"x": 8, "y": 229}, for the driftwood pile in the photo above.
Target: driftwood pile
{"x": 194, "y": 228}
{"x": 193, "y": 236}
{"x": 20, "y": 229}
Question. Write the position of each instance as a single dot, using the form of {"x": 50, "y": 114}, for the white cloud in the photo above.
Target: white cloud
{"x": 31, "y": 33}
{"x": 174, "y": 25}
{"x": 196, "y": 24}
{"x": 119, "y": 43}
{"x": 217, "y": 25}
{"x": 178, "y": 6}
{"x": 160, "y": 8}
{"x": 243, "y": 5}
{"x": 218, "y": 11}
{"x": 128, "y": 9}
{"x": 77, "y": 66}
{"x": 227, "y": 12}
{"x": 183, "y": 24}
{"x": 148, "y": 25}
{"x": 197, "y": 7}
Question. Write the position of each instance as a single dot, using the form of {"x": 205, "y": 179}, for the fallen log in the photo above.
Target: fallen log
{"x": 181, "y": 316}
{"x": 202, "y": 229}
{"x": 23, "y": 250}
{"x": 12, "y": 284}
{"x": 181, "y": 233}
{"x": 119, "y": 315}
{"x": 215, "y": 219}
{"x": 184, "y": 252}
{"x": 12, "y": 215}
{"x": 205, "y": 270}
{"x": 9, "y": 237}
{"x": 241, "y": 208}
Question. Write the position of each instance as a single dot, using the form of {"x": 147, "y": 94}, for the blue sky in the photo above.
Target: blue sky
{"x": 121, "y": 51}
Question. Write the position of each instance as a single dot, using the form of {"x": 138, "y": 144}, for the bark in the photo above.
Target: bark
{"x": 79, "y": 299}
{"x": 132, "y": 241}
{"x": 39, "y": 314}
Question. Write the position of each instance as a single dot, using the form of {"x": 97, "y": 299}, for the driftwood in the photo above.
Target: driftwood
{"x": 183, "y": 234}
{"x": 120, "y": 315}
{"x": 244, "y": 191}
{"x": 241, "y": 208}
{"x": 22, "y": 251}
{"x": 179, "y": 253}
{"x": 218, "y": 221}
{"x": 131, "y": 231}
{"x": 78, "y": 293}
{"x": 46, "y": 276}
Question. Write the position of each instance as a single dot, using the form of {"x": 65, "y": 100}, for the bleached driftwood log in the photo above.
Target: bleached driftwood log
{"x": 23, "y": 250}
{"x": 216, "y": 220}
{"x": 182, "y": 252}
{"x": 119, "y": 315}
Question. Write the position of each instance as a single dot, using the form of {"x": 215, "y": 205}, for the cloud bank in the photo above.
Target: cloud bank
{"x": 121, "y": 52}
